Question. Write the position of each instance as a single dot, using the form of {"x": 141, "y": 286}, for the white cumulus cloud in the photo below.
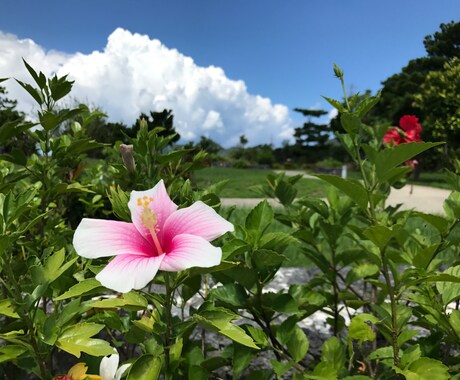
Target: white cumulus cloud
{"x": 135, "y": 74}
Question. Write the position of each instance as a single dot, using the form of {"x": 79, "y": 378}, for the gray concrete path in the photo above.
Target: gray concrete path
{"x": 422, "y": 198}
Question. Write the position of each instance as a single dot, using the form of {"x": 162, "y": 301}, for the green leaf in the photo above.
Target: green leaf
{"x": 280, "y": 368}
{"x": 454, "y": 320}
{"x": 450, "y": 291}
{"x": 366, "y": 105}
{"x": 335, "y": 103}
{"x": 232, "y": 293}
{"x": 360, "y": 329}
{"x": 146, "y": 367}
{"x": 7, "y": 309}
{"x": 285, "y": 330}
{"x": 276, "y": 240}
{"x": 237, "y": 334}
{"x": 34, "y": 92}
{"x": 352, "y": 188}
{"x": 298, "y": 344}
{"x": 77, "y": 339}
{"x": 55, "y": 265}
{"x": 80, "y": 289}
{"x": 389, "y": 158}
{"x": 267, "y": 258}
{"x": 285, "y": 192}
{"x": 360, "y": 271}
{"x": 219, "y": 320}
{"x": 119, "y": 200}
{"x": 410, "y": 355}
{"x": 284, "y": 303}
{"x": 324, "y": 371}
{"x": 59, "y": 87}
{"x": 379, "y": 235}
{"x": 260, "y": 217}
{"x": 334, "y": 353}
{"x": 11, "y": 352}
{"x": 350, "y": 123}
{"x": 258, "y": 335}
{"x": 131, "y": 300}
{"x": 452, "y": 205}
{"x": 425, "y": 369}
{"x": 234, "y": 247}
{"x": 39, "y": 79}
{"x": 242, "y": 356}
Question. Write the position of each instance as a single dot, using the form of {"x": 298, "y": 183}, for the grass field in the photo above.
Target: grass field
{"x": 240, "y": 181}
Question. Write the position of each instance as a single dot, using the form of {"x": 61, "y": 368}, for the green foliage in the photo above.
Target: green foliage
{"x": 386, "y": 280}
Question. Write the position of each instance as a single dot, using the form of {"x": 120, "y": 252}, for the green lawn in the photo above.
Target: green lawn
{"x": 240, "y": 181}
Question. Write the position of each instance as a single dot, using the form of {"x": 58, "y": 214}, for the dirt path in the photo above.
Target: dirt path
{"x": 423, "y": 198}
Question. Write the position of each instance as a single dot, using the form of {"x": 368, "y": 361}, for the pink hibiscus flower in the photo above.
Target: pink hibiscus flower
{"x": 159, "y": 237}
{"x": 410, "y": 123}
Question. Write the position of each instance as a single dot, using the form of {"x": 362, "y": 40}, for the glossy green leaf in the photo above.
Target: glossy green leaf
{"x": 146, "y": 367}
{"x": 83, "y": 287}
{"x": 77, "y": 339}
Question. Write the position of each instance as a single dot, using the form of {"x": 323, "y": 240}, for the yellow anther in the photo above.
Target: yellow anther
{"x": 151, "y": 199}
{"x": 139, "y": 201}
{"x": 149, "y": 218}
{"x": 145, "y": 197}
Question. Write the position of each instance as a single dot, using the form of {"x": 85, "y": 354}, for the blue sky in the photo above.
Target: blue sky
{"x": 282, "y": 50}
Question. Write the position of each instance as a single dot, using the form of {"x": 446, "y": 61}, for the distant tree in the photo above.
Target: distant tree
{"x": 440, "y": 100}
{"x": 399, "y": 91}
{"x": 311, "y": 134}
{"x": 208, "y": 145}
{"x": 243, "y": 140}
{"x": 444, "y": 43}
{"x": 162, "y": 119}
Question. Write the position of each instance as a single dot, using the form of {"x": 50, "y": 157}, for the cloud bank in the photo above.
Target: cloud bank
{"x": 135, "y": 74}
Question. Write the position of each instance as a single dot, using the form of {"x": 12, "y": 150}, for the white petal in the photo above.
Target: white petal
{"x": 108, "y": 367}
{"x": 127, "y": 272}
{"x": 121, "y": 371}
{"x": 199, "y": 219}
{"x": 189, "y": 251}
{"x": 101, "y": 238}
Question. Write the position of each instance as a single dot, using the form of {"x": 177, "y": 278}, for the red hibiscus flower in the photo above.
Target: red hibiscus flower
{"x": 409, "y": 124}
{"x": 392, "y": 137}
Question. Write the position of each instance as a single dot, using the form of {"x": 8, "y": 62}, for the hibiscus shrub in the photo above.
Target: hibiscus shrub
{"x": 170, "y": 304}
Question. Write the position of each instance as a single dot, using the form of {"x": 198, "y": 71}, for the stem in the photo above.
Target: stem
{"x": 167, "y": 337}
{"x": 394, "y": 315}
{"x": 345, "y": 94}
{"x": 16, "y": 292}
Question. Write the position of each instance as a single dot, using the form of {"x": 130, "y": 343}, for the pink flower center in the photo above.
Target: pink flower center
{"x": 150, "y": 220}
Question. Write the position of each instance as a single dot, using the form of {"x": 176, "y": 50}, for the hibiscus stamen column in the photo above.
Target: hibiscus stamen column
{"x": 149, "y": 220}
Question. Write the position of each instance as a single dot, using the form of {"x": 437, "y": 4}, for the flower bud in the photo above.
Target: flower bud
{"x": 127, "y": 157}
{"x": 338, "y": 72}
